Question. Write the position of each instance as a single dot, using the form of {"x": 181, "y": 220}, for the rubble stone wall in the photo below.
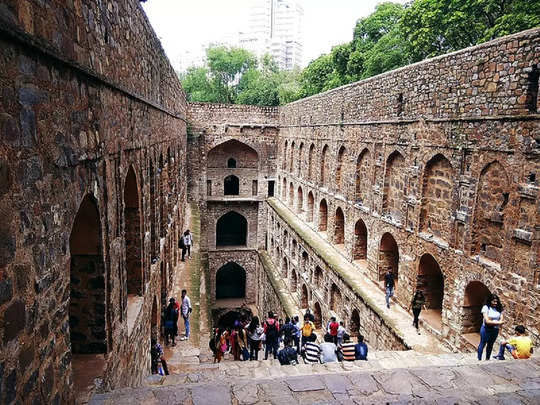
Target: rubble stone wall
{"x": 86, "y": 94}
{"x": 441, "y": 155}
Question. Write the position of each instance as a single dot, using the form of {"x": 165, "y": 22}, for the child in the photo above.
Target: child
{"x": 519, "y": 346}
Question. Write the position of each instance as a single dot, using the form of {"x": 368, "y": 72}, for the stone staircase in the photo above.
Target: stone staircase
{"x": 388, "y": 377}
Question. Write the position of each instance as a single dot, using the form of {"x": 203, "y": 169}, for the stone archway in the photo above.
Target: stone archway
{"x": 231, "y": 185}
{"x": 476, "y": 294}
{"x": 231, "y": 230}
{"x": 339, "y": 228}
{"x": 354, "y": 324}
{"x": 431, "y": 282}
{"x": 317, "y": 313}
{"x": 388, "y": 256}
{"x": 305, "y": 298}
{"x": 311, "y": 202}
{"x": 323, "y": 216}
{"x": 132, "y": 235}
{"x": 335, "y": 299}
{"x": 230, "y": 281}
{"x": 360, "y": 241}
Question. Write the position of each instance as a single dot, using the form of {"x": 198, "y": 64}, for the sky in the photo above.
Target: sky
{"x": 189, "y": 25}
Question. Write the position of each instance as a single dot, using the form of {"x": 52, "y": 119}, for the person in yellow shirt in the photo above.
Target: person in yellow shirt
{"x": 519, "y": 346}
{"x": 308, "y": 329}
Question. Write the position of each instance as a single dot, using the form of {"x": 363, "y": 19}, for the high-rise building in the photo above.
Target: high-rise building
{"x": 275, "y": 28}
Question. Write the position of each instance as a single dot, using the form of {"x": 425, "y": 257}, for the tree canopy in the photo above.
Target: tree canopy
{"x": 394, "y": 35}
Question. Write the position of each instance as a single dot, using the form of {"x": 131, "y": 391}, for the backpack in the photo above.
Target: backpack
{"x": 271, "y": 331}
{"x": 212, "y": 344}
{"x": 288, "y": 331}
{"x": 283, "y": 357}
{"x": 181, "y": 244}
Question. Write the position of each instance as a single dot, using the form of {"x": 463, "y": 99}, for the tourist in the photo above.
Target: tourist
{"x": 242, "y": 343}
{"x": 171, "y": 322}
{"x": 310, "y": 316}
{"x": 288, "y": 355}
{"x": 233, "y": 343}
{"x": 222, "y": 337}
{"x": 328, "y": 350}
{"x": 416, "y": 304}
{"x": 255, "y": 333}
{"x": 332, "y": 329}
{"x": 186, "y": 243}
{"x": 341, "y": 332}
{"x": 389, "y": 286}
{"x": 287, "y": 331}
{"x": 297, "y": 333}
{"x": 519, "y": 346}
{"x": 186, "y": 312}
{"x": 271, "y": 332}
{"x": 348, "y": 349}
{"x": 360, "y": 349}
{"x": 312, "y": 352}
{"x": 308, "y": 329}
{"x": 156, "y": 356}
{"x": 492, "y": 319}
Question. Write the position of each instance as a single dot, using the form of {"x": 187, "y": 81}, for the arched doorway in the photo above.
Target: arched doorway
{"x": 388, "y": 256}
{"x": 354, "y": 324}
{"x": 305, "y": 299}
{"x": 339, "y": 228}
{"x": 317, "y": 313}
{"x": 394, "y": 189}
{"x": 285, "y": 268}
{"x": 291, "y": 194}
{"x": 360, "y": 241}
{"x": 231, "y": 163}
{"x": 362, "y": 183}
{"x": 318, "y": 276}
{"x": 231, "y": 230}
{"x": 227, "y": 318}
{"x": 476, "y": 294}
{"x": 430, "y": 281}
{"x": 339, "y": 169}
{"x": 294, "y": 281}
{"x": 231, "y": 185}
{"x": 323, "y": 216}
{"x": 324, "y": 163}
{"x": 231, "y": 281}
{"x": 335, "y": 299}
{"x": 132, "y": 235}
{"x": 300, "y": 203}
{"x": 284, "y": 189}
{"x": 310, "y": 161}
{"x": 311, "y": 202}
{"x": 87, "y": 298}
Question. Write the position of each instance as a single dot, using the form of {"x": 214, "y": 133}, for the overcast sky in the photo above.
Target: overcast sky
{"x": 188, "y": 24}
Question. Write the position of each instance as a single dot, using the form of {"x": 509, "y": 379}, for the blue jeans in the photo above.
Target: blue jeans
{"x": 510, "y": 348}
{"x": 488, "y": 336}
{"x": 271, "y": 347}
{"x": 186, "y": 324}
{"x": 389, "y": 293}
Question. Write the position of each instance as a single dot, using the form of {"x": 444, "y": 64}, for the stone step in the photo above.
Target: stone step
{"x": 510, "y": 381}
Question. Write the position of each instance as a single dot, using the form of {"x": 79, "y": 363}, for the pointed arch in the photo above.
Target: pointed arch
{"x": 153, "y": 212}
{"x": 335, "y": 298}
{"x": 362, "y": 177}
{"x": 354, "y": 323}
{"x": 318, "y": 276}
{"x": 304, "y": 302}
{"x": 300, "y": 200}
{"x": 437, "y": 198}
{"x": 231, "y": 230}
{"x": 285, "y": 154}
{"x": 339, "y": 169}
{"x": 323, "y": 215}
{"x": 324, "y": 165}
{"x": 317, "y": 313}
{"x": 243, "y": 155}
{"x": 284, "y": 189}
{"x": 311, "y": 202}
{"x": 388, "y": 256}
{"x": 360, "y": 241}
{"x": 291, "y": 194}
{"x": 132, "y": 234}
{"x": 394, "y": 186}
{"x": 294, "y": 281}
{"x": 492, "y": 199}
{"x": 87, "y": 303}
{"x": 339, "y": 227}
{"x": 476, "y": 294}
{"x": 431, "y": 282}
{"x": 291, "y": 167}
{"x": 311, "y": 156}
{"x": 300, "y": 158}
{"x": 230, "y": 281}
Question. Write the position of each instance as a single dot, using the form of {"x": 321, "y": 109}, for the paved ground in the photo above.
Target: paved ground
{"x": 509, "y": 382}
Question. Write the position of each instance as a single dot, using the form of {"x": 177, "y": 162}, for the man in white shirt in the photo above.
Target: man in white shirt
{"x": 186, "y": 309}
{"x": 187, "y": 242}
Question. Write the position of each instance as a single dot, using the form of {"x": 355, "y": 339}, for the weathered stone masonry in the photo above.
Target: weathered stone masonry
{"x": 92, "y": 194}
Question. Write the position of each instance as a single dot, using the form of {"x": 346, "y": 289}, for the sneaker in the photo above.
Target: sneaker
{"x": 499, "y": 357}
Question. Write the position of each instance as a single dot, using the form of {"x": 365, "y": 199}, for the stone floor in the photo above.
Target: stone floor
{"x": 385, "y": 378}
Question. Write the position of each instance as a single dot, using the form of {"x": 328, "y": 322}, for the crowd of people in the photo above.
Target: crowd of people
{"x": 287, "y": 340}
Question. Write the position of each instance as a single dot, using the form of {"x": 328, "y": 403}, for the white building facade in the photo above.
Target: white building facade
{"x": 275, "y": 28}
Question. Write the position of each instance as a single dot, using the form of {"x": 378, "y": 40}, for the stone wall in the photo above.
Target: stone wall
{"x": 315, "y": 285}
{"x": 438, "y": 159}
{"x": 88, "y": 97}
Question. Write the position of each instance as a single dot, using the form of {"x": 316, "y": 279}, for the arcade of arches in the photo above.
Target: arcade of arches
{"x": 97, "y": 167}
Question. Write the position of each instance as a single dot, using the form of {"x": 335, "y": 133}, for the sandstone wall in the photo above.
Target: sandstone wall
{"x": 87, "y": 96}
{"x": 440, "y": 158}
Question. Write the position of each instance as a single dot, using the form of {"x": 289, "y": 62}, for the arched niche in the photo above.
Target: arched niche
{"x": 231, "y": 230}
{"x": 230, "y": 281}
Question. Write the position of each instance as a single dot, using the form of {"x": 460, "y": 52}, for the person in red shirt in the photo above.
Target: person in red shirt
{"x": 333, "y": 329}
